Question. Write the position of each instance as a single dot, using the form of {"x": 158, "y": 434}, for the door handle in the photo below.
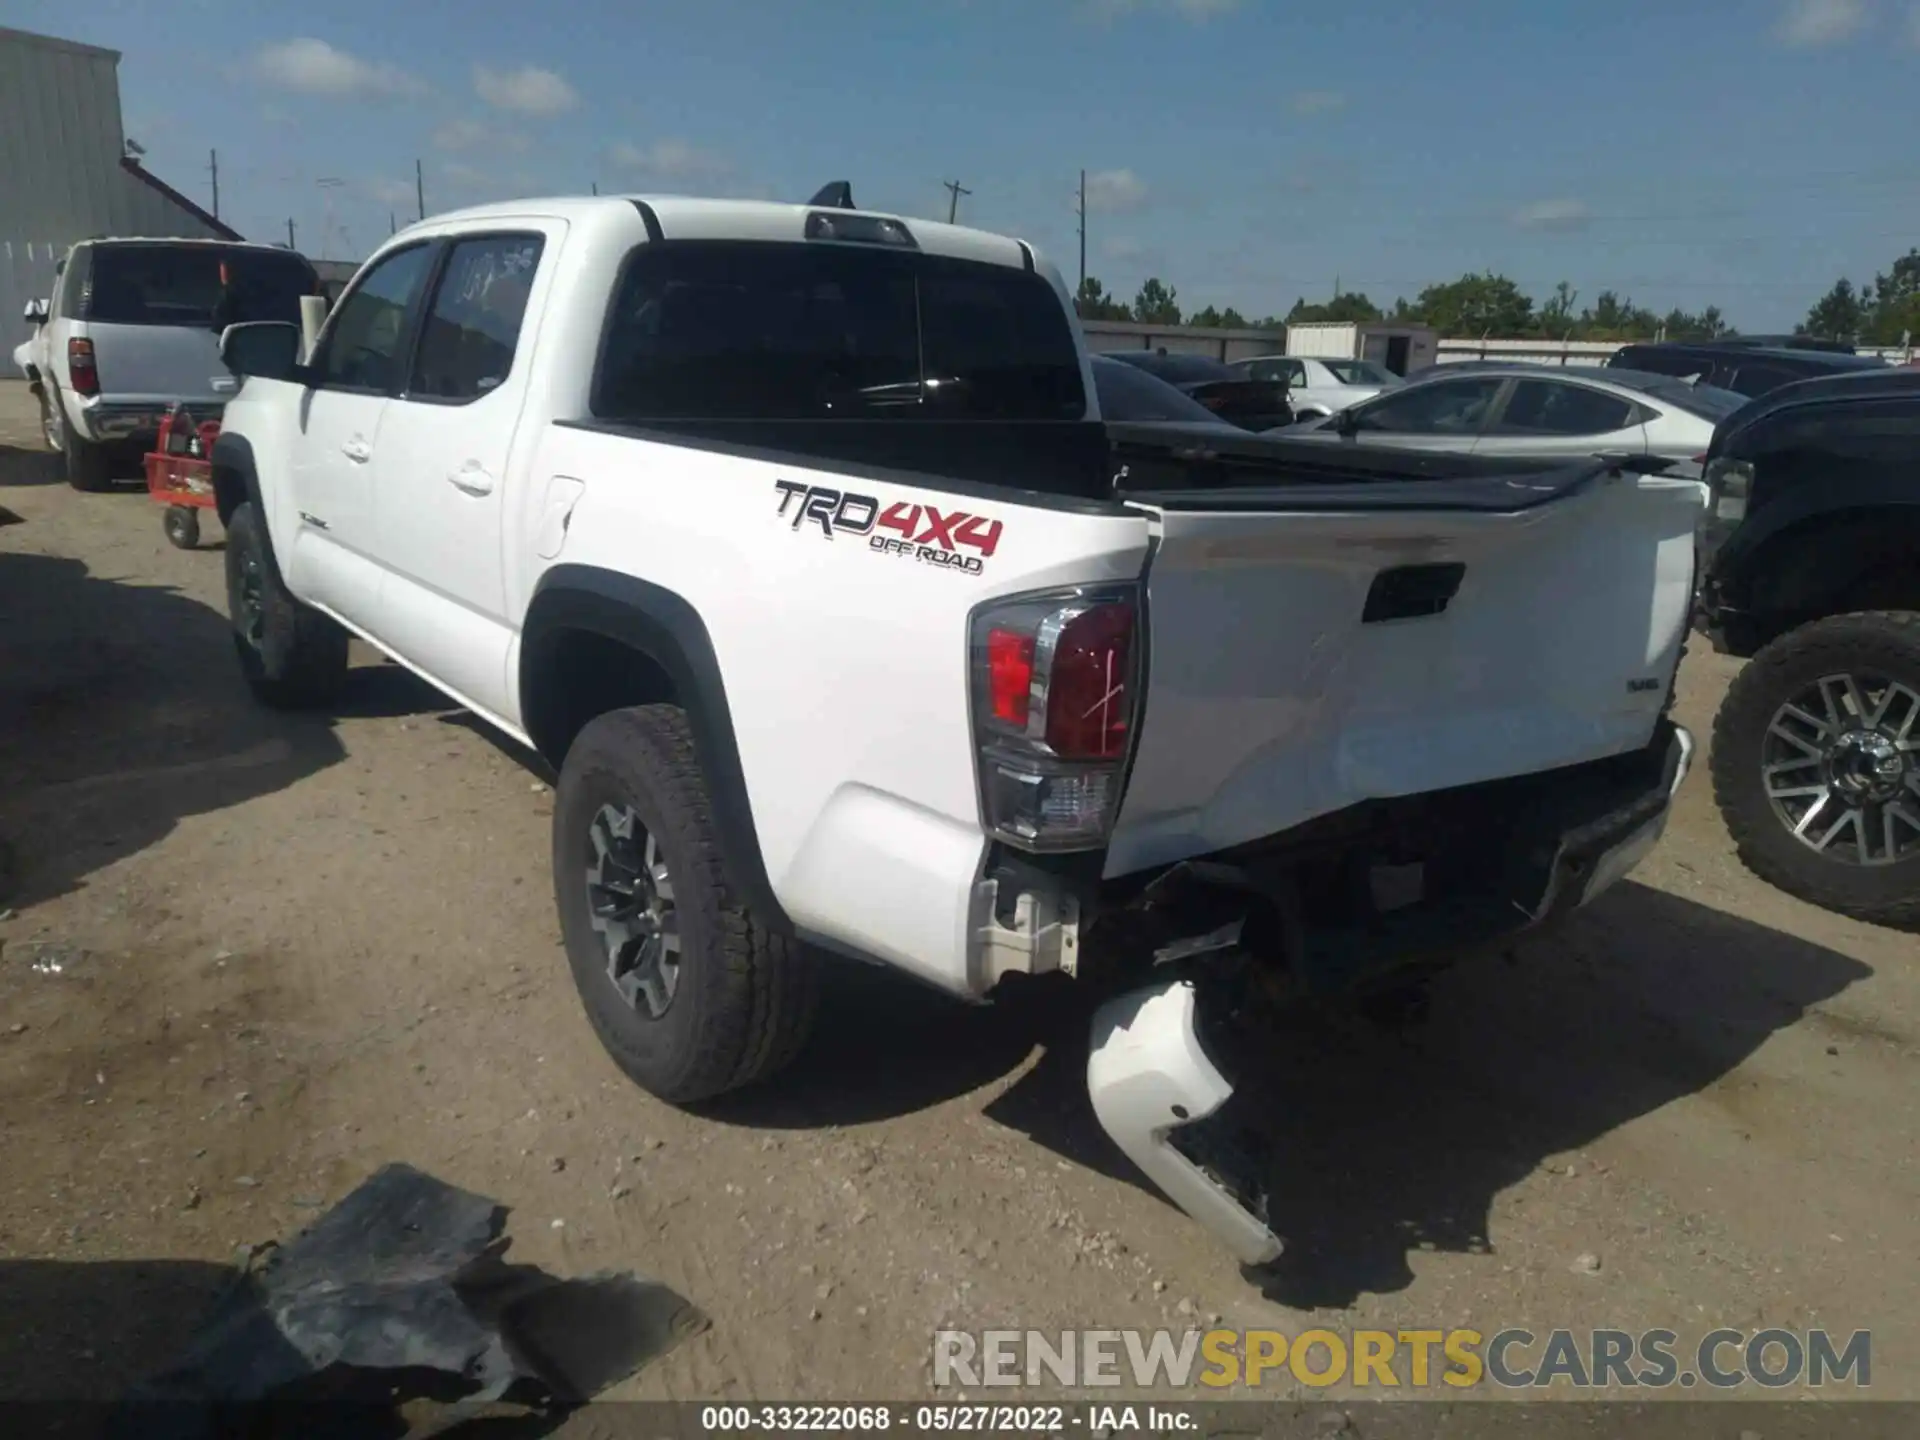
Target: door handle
{"x": 357, "y": 450}
{"x": 471, "y": 479}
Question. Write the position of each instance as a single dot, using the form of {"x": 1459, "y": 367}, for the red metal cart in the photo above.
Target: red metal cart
{"x": 180, "y": 473}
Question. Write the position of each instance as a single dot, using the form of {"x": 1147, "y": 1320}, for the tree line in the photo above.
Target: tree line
{"x": 1475, "y": 305}
{"x": 1884, "y": 312}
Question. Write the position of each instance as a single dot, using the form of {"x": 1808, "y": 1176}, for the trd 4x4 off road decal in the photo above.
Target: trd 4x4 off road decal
{"x": 919, "y": 532}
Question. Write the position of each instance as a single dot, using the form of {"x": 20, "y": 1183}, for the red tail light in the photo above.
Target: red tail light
{"x": 1055, "y": 688}
{"x": 1088, "y": 704}
{"x": 1010, "y": 676}
{"x": 82, "y": 378}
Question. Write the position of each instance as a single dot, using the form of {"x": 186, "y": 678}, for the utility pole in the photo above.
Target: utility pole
{"x": 290, "y": 244}
{"x": 420, "y": 189}
{"x": 213, "y": 168}
{"x": 391, "y": 226}
{"x": 1083, "y": 230}
{"x": 956, "y": 190}
{"x": 596, "y": 186}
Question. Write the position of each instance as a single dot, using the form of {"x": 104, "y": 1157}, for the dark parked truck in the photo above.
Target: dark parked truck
{"x": 792, "y": 536}
{"x": 1812, "y": 568}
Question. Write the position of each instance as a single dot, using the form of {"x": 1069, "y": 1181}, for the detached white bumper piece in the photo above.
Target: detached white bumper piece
{"x": 1148, "y": 1076}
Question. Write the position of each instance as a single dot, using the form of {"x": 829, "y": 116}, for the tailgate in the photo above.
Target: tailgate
{"x": 1312, "y": 647}
{"x": 158, "y": 363}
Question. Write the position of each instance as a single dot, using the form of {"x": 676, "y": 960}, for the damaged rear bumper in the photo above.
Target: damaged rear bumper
{"x": 1153, "y": 1082}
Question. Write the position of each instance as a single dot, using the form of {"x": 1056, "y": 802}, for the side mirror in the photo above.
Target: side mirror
{"x": 269, "y": 349}
{"x": 1347, "y": 423}
{"x": 37, "y": 312}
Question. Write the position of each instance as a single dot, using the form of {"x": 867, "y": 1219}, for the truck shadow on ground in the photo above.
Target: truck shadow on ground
{"x": 122, "y": 711}
{"x": 21, "y": 466}
{"x": 1382, "y": 1139}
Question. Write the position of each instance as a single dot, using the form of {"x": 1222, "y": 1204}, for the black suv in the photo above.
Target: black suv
{"x": 1750, "y": 367}
{"x": 1810, "y": 564}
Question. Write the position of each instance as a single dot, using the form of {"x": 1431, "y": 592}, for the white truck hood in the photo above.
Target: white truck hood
{"x": 1292, "y": 671}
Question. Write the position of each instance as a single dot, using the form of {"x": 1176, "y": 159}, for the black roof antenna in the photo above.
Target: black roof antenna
{"x": 838, "y": 194}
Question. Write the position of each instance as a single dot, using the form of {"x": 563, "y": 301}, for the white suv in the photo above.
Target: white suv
{"x": 133, "y": 326}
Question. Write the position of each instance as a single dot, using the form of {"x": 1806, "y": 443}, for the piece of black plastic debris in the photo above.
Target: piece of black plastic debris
{"x": 399, "y": 1295}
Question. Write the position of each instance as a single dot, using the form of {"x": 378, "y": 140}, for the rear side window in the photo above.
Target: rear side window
{"x": 1660, "y": 362}
{"x": 202, "y": 286}
{"x": 1547, "y": 407}
{"x": 743, "y": 330}
{"x": 1754, "y": 380}
{"x": 473, "y": 324}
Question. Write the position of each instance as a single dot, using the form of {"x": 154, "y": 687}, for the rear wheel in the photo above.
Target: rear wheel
{"x": 292, "y": 656}
{"x": 88, "y": 467}
{"x": 1816, "y": 765}
{"x": 692, "y": 992}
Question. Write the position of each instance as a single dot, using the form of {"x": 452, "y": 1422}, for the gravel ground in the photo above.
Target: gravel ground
{"x": 247, "y": 959}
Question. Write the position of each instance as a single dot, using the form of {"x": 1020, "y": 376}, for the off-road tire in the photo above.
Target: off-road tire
{"x": 299, "y": 661}
{"x": 1887, "y": 642}
{"x": 747, "y": 990}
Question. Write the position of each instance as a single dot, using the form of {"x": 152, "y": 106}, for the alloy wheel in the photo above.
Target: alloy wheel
{"x": 630, "y": 906}
{"x": 1841, "y": 768}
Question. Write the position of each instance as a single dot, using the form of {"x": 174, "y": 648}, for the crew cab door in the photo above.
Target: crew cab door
{"x": 441, "y": 479}
{"x": 356, "y": 366}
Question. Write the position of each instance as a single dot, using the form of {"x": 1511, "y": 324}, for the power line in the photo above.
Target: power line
{"x": 956, "y": 190}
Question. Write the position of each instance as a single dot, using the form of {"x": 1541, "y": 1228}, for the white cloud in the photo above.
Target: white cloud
{"x": 1115, "y": 190}
{"x": 399, "y": 193}
{"x": 314, "y": 67}
{"x": 1553, "y": 215}
{"x": 1806, "y": 24}
{"x": 459, "y": 135}
{"x": 528, "y": 90}
{"x": 464, "y": 134}
{"x": 669, "y": 159}
{"x": 1318, "y": 102}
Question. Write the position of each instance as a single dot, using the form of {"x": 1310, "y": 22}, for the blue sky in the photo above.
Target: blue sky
{"x": 1740, "y": 153}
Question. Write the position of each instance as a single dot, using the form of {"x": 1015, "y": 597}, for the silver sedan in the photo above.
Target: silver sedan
{"x": 1537, "y": 412}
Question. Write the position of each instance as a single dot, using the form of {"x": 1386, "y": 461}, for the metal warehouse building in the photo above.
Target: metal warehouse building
{"x": 65, "y": 174}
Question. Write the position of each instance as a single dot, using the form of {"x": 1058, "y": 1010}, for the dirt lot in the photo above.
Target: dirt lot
{"x": 248, "y": 959}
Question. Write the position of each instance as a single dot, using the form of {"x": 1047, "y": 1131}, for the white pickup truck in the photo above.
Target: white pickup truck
{"x": 790, "y": 535}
